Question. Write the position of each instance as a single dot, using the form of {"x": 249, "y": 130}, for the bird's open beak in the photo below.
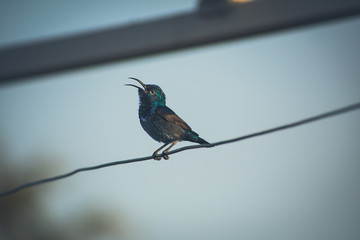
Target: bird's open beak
{"x": 142, "y": 84}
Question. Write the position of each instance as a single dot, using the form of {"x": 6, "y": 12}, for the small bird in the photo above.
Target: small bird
{"x": 160, "y": 122}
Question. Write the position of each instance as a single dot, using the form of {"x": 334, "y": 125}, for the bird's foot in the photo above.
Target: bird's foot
{"x": 156, "y": 157}
{"x": 165, "y": 156}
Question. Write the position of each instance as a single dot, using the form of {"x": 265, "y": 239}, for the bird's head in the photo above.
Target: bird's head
{"x": 151, "y": 95}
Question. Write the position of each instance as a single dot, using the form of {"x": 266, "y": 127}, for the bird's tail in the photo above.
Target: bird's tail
{"x": 202, "y": 141}
{"x": 194, "y": 137}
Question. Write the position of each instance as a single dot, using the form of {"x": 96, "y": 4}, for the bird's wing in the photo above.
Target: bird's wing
{"x": 170, "y": 116}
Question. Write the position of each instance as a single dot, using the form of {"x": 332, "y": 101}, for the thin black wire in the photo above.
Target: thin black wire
{"x": 339, "y": 111}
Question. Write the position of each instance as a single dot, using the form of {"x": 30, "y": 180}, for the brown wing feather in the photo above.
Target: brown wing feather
{"x": 170, "y": 116}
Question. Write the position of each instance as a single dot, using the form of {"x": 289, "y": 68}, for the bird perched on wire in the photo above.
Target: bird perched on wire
{"x": 160, "y": 122}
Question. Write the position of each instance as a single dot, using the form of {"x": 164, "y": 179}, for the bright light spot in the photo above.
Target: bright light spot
{"x": 240, "y": 1}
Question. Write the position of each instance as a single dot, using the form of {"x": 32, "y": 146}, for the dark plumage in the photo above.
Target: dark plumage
{"x": 160, "y": 122}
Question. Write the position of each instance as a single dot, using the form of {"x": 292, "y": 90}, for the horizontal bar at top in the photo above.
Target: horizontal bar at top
{"x": 167, "y": 34}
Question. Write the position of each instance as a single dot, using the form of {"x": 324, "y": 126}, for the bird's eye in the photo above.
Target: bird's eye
{"x": 152, "y": 92}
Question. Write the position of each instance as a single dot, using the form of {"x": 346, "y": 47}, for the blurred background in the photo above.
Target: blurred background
{"x": 301, "y": 183}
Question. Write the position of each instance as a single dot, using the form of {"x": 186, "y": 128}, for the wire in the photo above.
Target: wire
{"x": 339, "y": 111}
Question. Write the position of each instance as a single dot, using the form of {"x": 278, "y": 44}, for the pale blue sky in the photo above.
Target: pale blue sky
{"x": 24, "y": 20}
{"x": 296, "y": 184}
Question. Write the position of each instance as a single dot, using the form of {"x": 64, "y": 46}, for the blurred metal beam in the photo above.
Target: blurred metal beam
{"x": 207, "y": 25}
